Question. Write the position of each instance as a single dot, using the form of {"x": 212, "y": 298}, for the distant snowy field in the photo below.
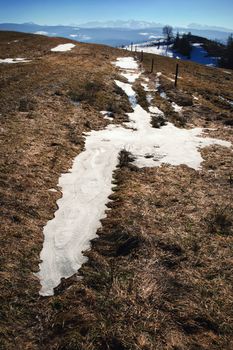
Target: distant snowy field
{"x": 198, "y": 53}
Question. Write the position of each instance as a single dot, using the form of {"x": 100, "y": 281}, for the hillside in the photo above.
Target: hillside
{"x": 202, "y": 50}
{"x": 159, "y": 273}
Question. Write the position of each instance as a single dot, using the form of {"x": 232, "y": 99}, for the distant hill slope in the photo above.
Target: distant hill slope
{"x": 203, "y": 50}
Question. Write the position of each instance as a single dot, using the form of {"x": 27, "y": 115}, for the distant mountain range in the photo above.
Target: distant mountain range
{"x": 205, "y": 27}
{"x": 131, "y": 24}
{"x": 115, "y": 33}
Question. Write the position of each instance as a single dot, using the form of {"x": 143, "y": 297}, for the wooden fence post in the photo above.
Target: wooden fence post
{"x": 142, "y": 56}
{"x": 152, "y": 65}
{"x": 177, "y": 72}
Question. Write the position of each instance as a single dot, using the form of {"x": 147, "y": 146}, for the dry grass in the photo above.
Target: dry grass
{"x": 171, "y": 288}
{"x": 160, "y": 274}
{"x": 206, "y": 83}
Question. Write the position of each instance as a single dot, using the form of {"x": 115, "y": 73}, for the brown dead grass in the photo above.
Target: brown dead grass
{"x": 160, "y": 274}
{"x": 206, "y": 83}
{"x": 158, "y": 277}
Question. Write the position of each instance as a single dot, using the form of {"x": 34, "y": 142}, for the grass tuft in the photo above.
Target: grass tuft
{"x": 125, "y": 157}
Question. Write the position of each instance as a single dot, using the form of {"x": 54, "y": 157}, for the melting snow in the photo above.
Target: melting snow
{"x": 145, "y": 87}
{"x": 164, "y": 95}
{"x": 176, "y": 108}
{"x": 128, "y": 90}
{"x": 52, "y": 190}
{"x": 63, "y": 48}
{"x": 41, "y": 32}
{"x": 126, "y": 63}
{"x": 156, "y": 110}
{"x": 87, "y": 186}
{"x": 157, "y": 83}
{"x": 198, "y": 54}
{"x": 14, "y": 60}
{"x": 168, "y": 78}
{"x": 152, "y": 47}
{"x": 226, "y": 100}
{"x": 129, "y": 65}
{"x": 107, "y": 115}
{"x": 131, "y": 77}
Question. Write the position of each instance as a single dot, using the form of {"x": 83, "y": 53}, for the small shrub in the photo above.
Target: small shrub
{"x": 113, "y": 344}
{"x": 141, "y": 96}
{"x": 26, "y": 105}
{"x": 127, "y": 246}
{"x": 119, "y": 242}
{"x": 220, "y": 221}
{"x": 181, "y": 120}
{"x": 86, "y": 92}
{"x": 125, "y": 157}
{"x": 181, "y": 98}
{"x": 57, "y": 304}
{"x": 113, "y": 107}
{"x": 228, "y": 122}
{"x": 157, "y": 121}
{"x": 119, "y": 91}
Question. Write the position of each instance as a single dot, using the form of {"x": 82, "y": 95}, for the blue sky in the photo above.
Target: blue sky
{"x": 174, "y": 12}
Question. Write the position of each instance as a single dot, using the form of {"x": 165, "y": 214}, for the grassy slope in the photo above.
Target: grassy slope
{"x": 159, "y": 276}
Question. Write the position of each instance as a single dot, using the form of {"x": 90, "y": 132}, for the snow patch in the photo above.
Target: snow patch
{"x": 168, "y": 78}
{"x": 41, "y": 32}
{"x": 131, "y": 77}
{"x": 107, "y": 115}
{"x": 156, "y": 110}
{"x": 164, "y": 95}
{"x": 157, "y": 83}
{"x": 14, "y": 60}
{"x": 226, "y": 100}
{"x": 87, "y": 186}
{"x": 127, "y": 88}
{"x": 126, "y": 63}
{"x": 176, "y": 108}
{"x": 63, "y": 48}
{"x": 146, "y": 87}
